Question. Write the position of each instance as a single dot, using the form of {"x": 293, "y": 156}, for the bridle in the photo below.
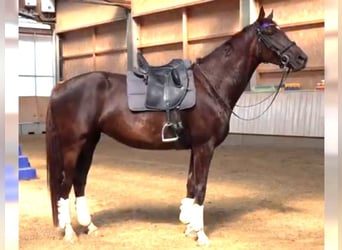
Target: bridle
{"x": 263, "y": 36}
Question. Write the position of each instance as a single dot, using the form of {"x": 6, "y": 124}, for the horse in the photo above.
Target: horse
{"x": 85, "y": 106}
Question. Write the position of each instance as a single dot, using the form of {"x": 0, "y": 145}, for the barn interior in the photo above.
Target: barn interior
{"x": 273, "y": 198}
{"x": 83, "y": 36}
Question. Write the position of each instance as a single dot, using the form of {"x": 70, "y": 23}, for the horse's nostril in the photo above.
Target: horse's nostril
{"x": 302, "y": 59}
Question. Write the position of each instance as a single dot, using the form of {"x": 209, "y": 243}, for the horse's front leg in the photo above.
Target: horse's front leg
{"x": 193, "y": 206}
{"x": 187, "y": 203}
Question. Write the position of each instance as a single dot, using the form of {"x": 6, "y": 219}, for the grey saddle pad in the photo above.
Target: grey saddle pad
{"x": 136, "y": 93}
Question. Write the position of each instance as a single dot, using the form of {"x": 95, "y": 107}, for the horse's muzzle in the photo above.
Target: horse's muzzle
{"x": 297, "y": 61}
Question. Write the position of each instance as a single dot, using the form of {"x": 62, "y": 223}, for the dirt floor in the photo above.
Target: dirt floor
{"x": 257, "y": 198}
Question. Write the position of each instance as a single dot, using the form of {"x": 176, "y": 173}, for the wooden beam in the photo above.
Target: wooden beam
{"x": 276, "y": 70}
{"x": 94, "y": 47}
{"x": 303, "y": 25}
{"x": 185, "y": 34}
{"x": 147, "y": 7}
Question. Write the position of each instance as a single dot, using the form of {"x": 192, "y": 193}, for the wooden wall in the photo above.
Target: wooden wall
{"x": 91, "y": 37}
{"x": 190, "y": 30}
{"x": 96, "y": 39}
{"x": 194, "y": 28}
{"x": 32, "y": 109}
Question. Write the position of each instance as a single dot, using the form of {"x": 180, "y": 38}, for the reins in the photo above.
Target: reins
{"x": 281, "y": 83}
{"x": 285, "y": 73}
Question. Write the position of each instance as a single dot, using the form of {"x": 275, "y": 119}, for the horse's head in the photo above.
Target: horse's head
{"x": 274, "y": 45}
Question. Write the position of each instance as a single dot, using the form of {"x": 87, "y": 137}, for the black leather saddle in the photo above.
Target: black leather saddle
{"x": 167, "y": 86}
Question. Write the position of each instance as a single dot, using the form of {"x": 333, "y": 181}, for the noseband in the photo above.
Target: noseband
{"x": 268, "y": 38}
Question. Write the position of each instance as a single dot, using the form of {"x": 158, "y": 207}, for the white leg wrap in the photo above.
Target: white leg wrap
{"x": 83, "y": 215}
{"x": 197, "y": 217}
{"x": 63, "y": 212}
{"x": 196, "y": 224}
{"x": 69, "y": 234}
{"x": 186, "y": 208}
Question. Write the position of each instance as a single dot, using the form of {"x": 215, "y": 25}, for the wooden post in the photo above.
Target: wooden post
{"x": 247, "y": 16}
{"x": 94, "y": 47}
{"x": 133, "y": 34}
{"x": 185, "y": 34}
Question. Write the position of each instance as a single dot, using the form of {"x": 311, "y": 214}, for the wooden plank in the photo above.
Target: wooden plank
{"x": 111, "y": 36}
{"x": 218, "y": 17}
{"x": 77, "y": 42}
{"x": 201, "y": 49}
{"x": 160, "y": 43}
{"x": 185, "y": 33}
{"x": 78, "y": 55}
{"x": 307, "y": 79}
{"x": 277, "y": 70}
{"x": 77, "y": 66}
{"x": 42, "y": 106}
{"x": 162, "y": 55}
{"x": 202, "y": 38}
{"x": 161, "y": 28}
{"x": 76, "y": 15}
{"x": 94, "y": 47}
{"x": 303, "y": 25}
{"x": 147, "y": 7}
{"x": 294, "y": 11}
{"x": 115, "y": 63}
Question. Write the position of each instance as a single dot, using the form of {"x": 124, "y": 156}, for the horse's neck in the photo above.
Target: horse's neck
{"x": 231, "y": 65}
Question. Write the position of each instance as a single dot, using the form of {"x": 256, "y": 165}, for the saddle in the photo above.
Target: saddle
{"x": 167, "y": 86}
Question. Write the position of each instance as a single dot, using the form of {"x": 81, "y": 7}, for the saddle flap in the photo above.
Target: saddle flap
{"x": 137, "y": 92}
{"x": 167, "y": 85}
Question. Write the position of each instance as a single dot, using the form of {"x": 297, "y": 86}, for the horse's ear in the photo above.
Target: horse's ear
{"x": 261, "y": 14}
{"x": 270, "y": 16}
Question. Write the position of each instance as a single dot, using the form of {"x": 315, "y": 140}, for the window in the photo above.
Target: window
{"x": 36, "y": 65}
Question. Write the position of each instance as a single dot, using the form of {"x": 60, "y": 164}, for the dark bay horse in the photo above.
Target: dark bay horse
{"x": 85, "y": 106}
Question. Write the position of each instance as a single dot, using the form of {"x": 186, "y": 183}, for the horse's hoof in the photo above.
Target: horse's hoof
{"x": 70, "y": 238}
{"x": 202, "y": 239}
{"x": 190, "y": 232}
{"x": 92, "y": 230}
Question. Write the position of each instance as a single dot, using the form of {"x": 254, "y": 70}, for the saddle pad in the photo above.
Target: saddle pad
{"x": 136, "y": 93}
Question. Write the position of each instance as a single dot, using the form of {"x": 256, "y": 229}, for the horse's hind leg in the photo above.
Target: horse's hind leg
{"x": 80, "y": 181}
{"x": 70, "y": 157}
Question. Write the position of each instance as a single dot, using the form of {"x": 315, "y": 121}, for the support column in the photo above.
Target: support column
{"x": 333, "y": 126}
{"x": 185, "y": 34}
{"x": 132, "y": 41}
{"x": 248, "y": 14}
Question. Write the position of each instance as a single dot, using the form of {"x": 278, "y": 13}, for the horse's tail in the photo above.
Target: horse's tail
{"x": 54, "y": 163}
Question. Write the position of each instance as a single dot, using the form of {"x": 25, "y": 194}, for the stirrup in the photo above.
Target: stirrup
{"x": 170, "y": 139}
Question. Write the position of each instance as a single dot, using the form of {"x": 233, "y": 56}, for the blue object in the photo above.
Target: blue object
{"x": 26, "y": 172}
{"x": 11, "y": 184}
